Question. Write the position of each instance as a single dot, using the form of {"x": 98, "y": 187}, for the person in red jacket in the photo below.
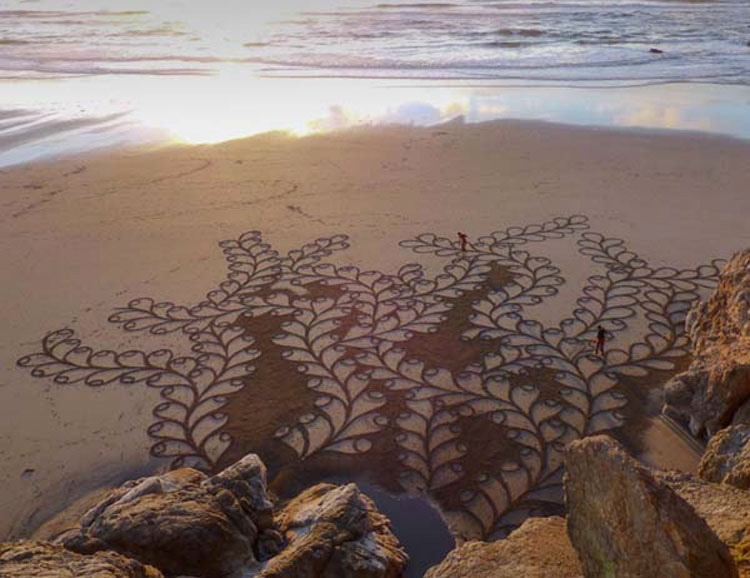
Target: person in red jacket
{"x": 601, "y": 337}
{"x": 462, "y": 237}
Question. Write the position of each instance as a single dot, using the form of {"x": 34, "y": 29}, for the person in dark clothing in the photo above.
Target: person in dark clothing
{"x": 462, "y": 237}
{"x": 601, "y": 337}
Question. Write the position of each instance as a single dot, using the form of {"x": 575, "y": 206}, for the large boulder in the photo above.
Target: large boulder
{"x": 45, "y": 560}
{"x": 538, "y": 549}
{"x": 183, "y": 522}
{"x": 625, "y": 523}
{"x": 335, "y": 532}
{"x": 727, "y": 458}
{"x": 715, "y": 391}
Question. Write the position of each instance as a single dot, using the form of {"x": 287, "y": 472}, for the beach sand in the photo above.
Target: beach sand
{"x": 84, "y": 236}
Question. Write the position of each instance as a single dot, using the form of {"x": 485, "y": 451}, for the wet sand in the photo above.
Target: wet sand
{"x": 86, "y": 238}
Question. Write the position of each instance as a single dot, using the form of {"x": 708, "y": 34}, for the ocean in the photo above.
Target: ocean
{"x": 140, "y": 70}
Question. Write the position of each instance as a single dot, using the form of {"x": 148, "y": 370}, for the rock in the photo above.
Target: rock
{"x": 723, "y": 318}
{"x": 711, "y": 394}
{"x": 726, "y": 510}
{"x": 656, "y": 51}
{"x": 538, "y": 549}
{"x": 246, "y": 480}
{"x": 742, "y": 414}
{"x": 625, "y": 523}
{"x": 707, "y": 397}
{"x": 133, "y": 489}
{"x": 44, "y": 560}
{"x": 335, "y": 532}
{"x": 183, "y": 522}
{"x": 727, "y": 458}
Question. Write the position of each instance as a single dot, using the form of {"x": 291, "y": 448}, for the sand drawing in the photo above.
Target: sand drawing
{"x": 446, "y": 386}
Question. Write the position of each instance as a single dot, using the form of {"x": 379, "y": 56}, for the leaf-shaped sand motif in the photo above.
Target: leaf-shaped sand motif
{"x": 451, "y": 376}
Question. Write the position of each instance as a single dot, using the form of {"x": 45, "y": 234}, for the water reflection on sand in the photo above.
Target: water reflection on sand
{"x": 235, "y": 105}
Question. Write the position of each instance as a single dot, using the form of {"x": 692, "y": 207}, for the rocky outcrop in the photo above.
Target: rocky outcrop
{"x": 727, "y": 458}
{"x": 623, "y": 522}
{"x": 225, "y": 526}
{"x": 724, "y": 508}
{"x": 723, "y": 318}
{"x": 44, "y": 560}
{"x": 335, "y": 532}
{"x": 538, "y": 549}
{"x": 715, "y": 391}
{"x": 183, "y": 522}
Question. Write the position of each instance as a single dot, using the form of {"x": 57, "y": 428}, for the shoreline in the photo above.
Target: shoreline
{"x": 670, "y": 107}
{"x": 168, "y": 146}
{"x": 136, "y": 148}
{"x": 85, "y": 236}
